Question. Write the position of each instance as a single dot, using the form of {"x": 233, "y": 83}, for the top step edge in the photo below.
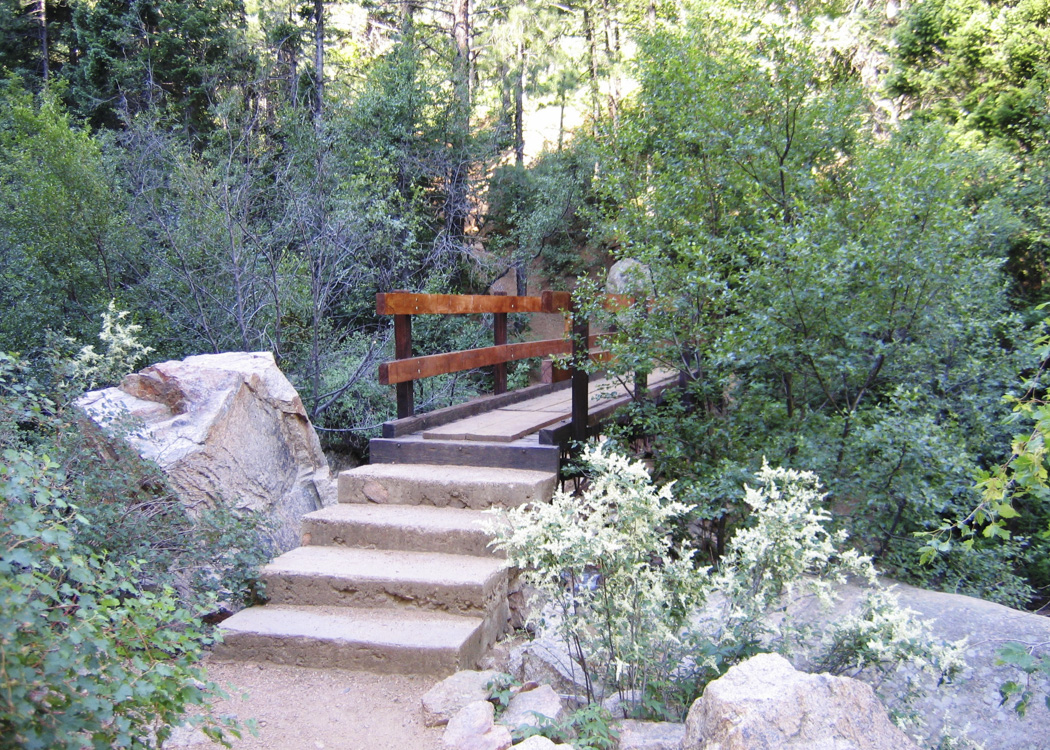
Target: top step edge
{"x": 466, "y": 471}
{"x": 417, "y": 451}
{"x": 470, "y": 487}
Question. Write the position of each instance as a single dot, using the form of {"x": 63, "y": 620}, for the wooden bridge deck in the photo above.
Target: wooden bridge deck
{"x": 524, "y": 429}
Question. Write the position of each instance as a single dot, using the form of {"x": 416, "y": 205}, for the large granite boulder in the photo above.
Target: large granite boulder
{"x": 225, "y": 428}
{"x": 968, "y": 708}
{"x": 765, "y": 704}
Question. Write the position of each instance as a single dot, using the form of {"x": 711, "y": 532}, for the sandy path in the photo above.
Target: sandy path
{"x": 312, "y": 709}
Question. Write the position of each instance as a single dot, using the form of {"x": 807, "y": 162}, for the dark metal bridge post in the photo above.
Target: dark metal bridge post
{"x": 403, "y": 350}
{"x": 580, "y": 378}
{"x": 499, "y": 338}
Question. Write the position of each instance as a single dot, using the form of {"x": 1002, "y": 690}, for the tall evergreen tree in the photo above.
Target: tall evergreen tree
{"x": 34, "y": 37}
{"x": 171, "y": 55}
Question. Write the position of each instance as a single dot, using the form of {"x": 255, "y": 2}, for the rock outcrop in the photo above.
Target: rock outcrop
{"x": 225, "y": 428}
{"x": 968, "y": 707}
{"x": 765, "y": 704}
{"x": 626, "y": 276}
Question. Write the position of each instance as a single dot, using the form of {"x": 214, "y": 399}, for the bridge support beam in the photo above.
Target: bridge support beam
{"x": 499, "y": 338}
{"x": 580, "y": 378}
{"x": 403, "y": 350}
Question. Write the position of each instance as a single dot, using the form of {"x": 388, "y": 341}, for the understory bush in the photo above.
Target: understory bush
{"x": 588, "y": 728}
{"x": 105, "y": 577}
{"x": 837, "y": 297}
{"x": 88, "y": 658}
{"x": 643, "y": 619}
{"x": 603, "y": 558}
{"x": 133, "y": 516}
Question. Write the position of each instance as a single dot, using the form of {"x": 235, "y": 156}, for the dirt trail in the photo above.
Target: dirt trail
{"x": 324, "y": 709}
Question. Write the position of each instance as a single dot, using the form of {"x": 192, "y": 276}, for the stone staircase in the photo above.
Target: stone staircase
{"x": 397, "y": 577}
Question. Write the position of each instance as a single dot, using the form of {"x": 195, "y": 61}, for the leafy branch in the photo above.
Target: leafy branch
{"x": 1022, "y": 474}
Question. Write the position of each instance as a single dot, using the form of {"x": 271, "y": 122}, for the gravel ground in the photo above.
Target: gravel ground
{"x": 320, "y": 709}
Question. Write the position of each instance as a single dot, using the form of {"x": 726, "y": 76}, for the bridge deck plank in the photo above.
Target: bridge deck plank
{"x": 502, "y": 426}
{"x": 514, "y": 421}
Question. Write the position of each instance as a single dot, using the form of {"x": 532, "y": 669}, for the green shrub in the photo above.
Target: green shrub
{"x": 587, "y": 728}
{"x": 603, "y": 560}
{"x": 641, "y": 618}
{"x": 87, "y": 658}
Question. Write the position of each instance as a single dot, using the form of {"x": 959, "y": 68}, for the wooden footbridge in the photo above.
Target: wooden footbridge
{"x": 398, "y": 576}
{"x": 523, "y": 429}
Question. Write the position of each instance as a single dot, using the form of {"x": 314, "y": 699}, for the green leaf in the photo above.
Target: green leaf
{"x": 1005, "y": 510}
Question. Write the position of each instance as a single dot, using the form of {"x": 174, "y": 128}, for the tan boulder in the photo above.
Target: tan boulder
{"x": 765, "y": 704}
{"x": 627, "y": 276}
{"x": 225, "y": 428}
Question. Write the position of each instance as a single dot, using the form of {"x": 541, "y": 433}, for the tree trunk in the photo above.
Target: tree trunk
{"x": 456, "y": 206}
{"x": 45, "y": 54}
{"x": 461, "y": 64}
{"x": 288, "y": 55}
{"x": 612, "y": 53}
{"x": 561, "y": 117}
{"x": 592, "y": 65}
{"x": 318, "y": 59}
{"x": 519, "y": 107}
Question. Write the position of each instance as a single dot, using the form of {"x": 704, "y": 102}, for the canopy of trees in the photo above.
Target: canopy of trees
{"x": 842, "y": 209}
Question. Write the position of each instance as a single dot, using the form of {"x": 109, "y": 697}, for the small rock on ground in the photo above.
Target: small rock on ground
{"x": 765, "y": 704}
{"x": 650, "y": 735}
{"x": 473, "y": 729}
{"x": 536, "y": 742}
{"x": 530, "y": 708}
{"x": 449, "y": 696}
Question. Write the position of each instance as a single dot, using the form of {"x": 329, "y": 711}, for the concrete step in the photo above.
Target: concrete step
{"x": 526, "y": 454}
{"x": 420, "y": 528}
{"x": 351, "y": 577}
{"x": 390, "y": 641}
{"x": 472, "y": 487}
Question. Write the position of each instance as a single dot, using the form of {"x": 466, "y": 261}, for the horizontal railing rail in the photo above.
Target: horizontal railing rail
{"x": 408, "y": 303}
{"x": 406, "y": 368}
{"x": 416, "y": 368}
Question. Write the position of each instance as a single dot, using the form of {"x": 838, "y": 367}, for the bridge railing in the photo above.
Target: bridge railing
{"x": 407, "y": 368}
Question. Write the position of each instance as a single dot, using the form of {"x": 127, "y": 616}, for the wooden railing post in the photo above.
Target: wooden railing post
{"x": 403, "y": 350}
{"x": 685, "y": 375}
{"x": 641, "y": 379}
{"x": 641, "y": 385}
{"x": 580, "y": 378}
{"x": 405, "y": 368}
{"x": 499, "y": 338}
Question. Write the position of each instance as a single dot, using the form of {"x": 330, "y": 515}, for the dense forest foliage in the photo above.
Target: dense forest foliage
{"x": 841, "y": 213}
{"x": 843, "y": 208}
